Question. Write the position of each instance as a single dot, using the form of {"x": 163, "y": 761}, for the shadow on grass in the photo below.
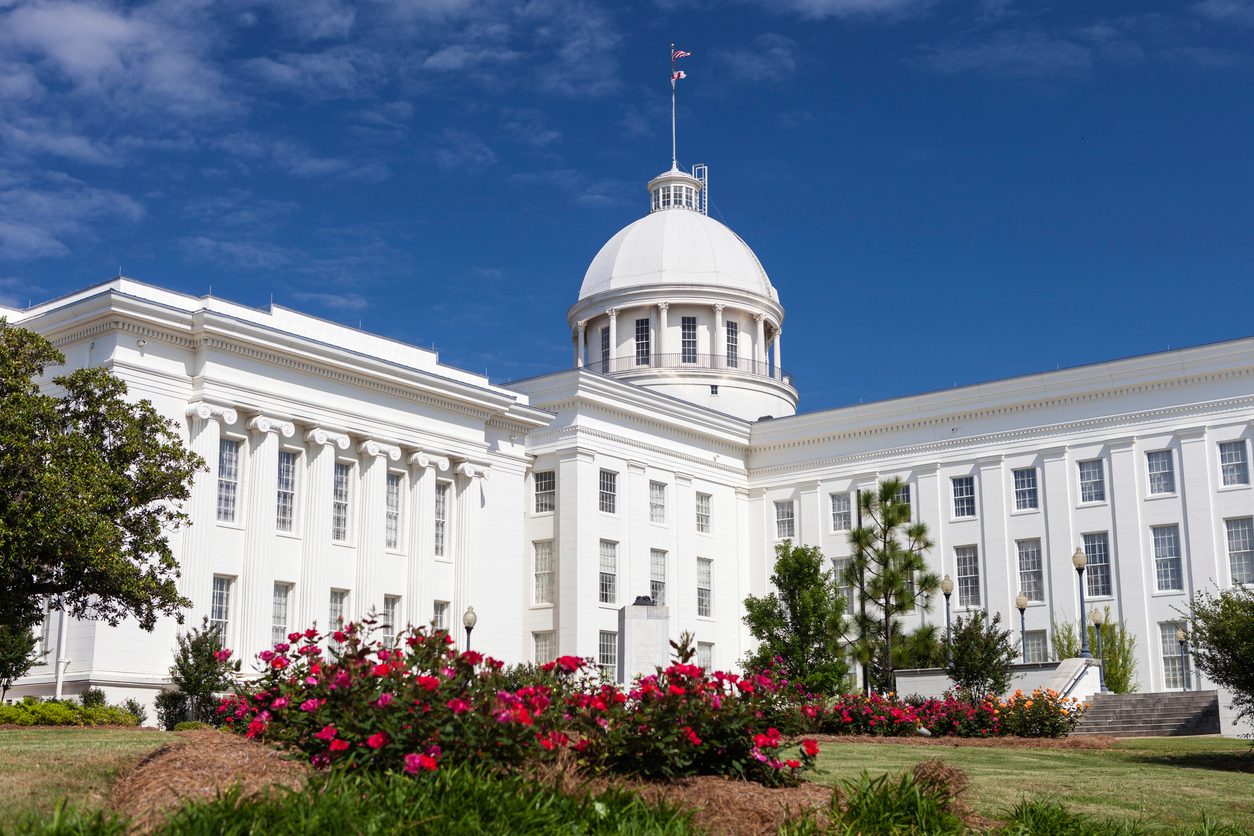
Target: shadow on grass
{"x": 1214, "y": 761}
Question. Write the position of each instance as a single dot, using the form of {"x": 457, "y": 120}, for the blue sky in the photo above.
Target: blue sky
{"x": 943, "y": 191}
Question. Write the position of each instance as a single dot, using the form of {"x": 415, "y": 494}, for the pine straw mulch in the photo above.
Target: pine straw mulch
{"x": 1088, "y": 741}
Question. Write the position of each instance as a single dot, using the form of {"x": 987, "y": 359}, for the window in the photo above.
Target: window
{"x": 1168, "y": 573}
{"x": 338, "y": 607}
{"x": 705, "y": 655}
{"x": 285, "y": 507}
{"x": 1162, "y": 471}
{"x": 703, "y": 513}
{"x": 785, "y": 523}
{"x": 1241, "y": 549}
{"x": 1097, "y": 550}
{"x": 545, "y": 649}
{"x": 733, "y": 344}
{"x": 1025, "y": 489}
{"x": 839, "y": 564}
{"x": 339, "y": 502}
{"x": 842, "y": 512}
{"x": 609, "y": 572}
{"x": 278, "y": 617}
{"x": 1035, "y": 647}
{"x": 439, "y": 615}
{"x": 642, "y": 342}
{"x": 391, "y": 617}
{"x": 903, "y": 498}
{"x": 1031, "y": 572}
{"x": 657, "y": 577}
{"x": 967, "y": 560}
{"x": 441, "y": 518}
{"x": 1173, "y": 655}
{"x": 1092, "y": 481}
{"x": 607, "y": 655}
{"x": 688, "y": 338}
{"x": 705, "y": 587}
{"x": 220, "y": 607}
{"x": 657, "y": 502}
{"x": 45, "y": 633}
{"x": 609, "y": 491}
{"x": 543, "y": 567}
{"x": 964, "y": 496}
{"x": 392, "y": 529}
{"x": 546, "y": 491}
{"x": 228, "y": 479}
{"x": 605, "y": 349}
{"x": 1234, "y": 463}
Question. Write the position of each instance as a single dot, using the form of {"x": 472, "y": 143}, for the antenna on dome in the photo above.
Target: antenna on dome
{"x": 676, "y": 75}
{"x": 702, "y": 172}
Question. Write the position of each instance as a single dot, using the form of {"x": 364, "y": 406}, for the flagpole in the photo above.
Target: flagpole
{"x": 674, "y": 163}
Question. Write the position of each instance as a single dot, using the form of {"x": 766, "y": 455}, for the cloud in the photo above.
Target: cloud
{"x": 583, "y": 189}
{"x": 238, "y": 208}
{"x": 32, "y": 136}
{"x": 526, "y": 126}
{"x": 36, "y": 219}
{"x": 1013, "y": 53}
{"x": 1239, "y": 12}
{"x": 352, "y": 302}
{"x": 296, "y": 159}
{"x": 771, "y": 58}
{"x": 336, "y": 73}
{"x": 17, "y": 293}
{"x": 455, "y": 149}
{"x": 250, "y": 255}
{"x": 884, "y": 9}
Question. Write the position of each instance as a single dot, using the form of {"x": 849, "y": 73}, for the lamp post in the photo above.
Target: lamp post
{"x": 1079, "y": 560}
{"x": 1098, "y": 619}
{"x": 947, "y": 589}
{"x": 469, "y": 620}
{"x": 1021, "y": 604}
{"x": 1183, "y": 638}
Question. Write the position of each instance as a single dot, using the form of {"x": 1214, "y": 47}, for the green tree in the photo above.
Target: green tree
{"x": 201, "y": 668}
{"x": 17, "y": 654}
{"x": 980, "y": 655}
{"x": 1118, "y": 651}
{"x": 801, "y": 621}
{"x": 90, "y": 487}
{"x": 889, "y": 576}
{"x": 1221, "y": 643}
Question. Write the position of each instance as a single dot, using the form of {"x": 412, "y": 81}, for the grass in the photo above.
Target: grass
{"x": 1167, "y": 782}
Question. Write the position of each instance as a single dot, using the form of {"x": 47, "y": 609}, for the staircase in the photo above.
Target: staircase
{"x": 1152, "y": 715}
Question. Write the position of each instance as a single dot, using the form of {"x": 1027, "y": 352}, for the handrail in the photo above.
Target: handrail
{"x": 644, "y": 361}
{"x": 1075, "y": 680}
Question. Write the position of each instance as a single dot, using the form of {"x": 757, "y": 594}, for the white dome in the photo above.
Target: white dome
{"x": 676, "y": 246}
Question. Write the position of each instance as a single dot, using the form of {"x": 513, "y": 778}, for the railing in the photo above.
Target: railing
{"x": 714, "y": 362}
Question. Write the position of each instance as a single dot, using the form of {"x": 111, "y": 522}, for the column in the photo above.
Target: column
{"x": 612, "y": 313}
{"x": 1000, "y": 560}
{"x": 583, "y": 344}
{"x": 1060, "y": 540}
{"x": 320, "y": 475}
{"x": 809, "y": 523}
{"x": 368, "y": 588}
{"x": 257, "y": 585}
{"x": 1203, "y": 557}
{"x": 660, "y": 348}
{"x": 422, "y": 544}
{"x": 718, "y": 342}
{"x": 779, "y": 355}
{"x": 759, "y": 345}
{"x": 1130, "y": 544}
{"x": 469, "y": 504}
{"x": 196, "y": 562}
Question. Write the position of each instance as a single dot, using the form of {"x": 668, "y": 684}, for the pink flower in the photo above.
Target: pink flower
{"x": 281, "y": 702}
{"x": 311, "y": 680}
{"x": 384, "y": 699}
{"x": 458, "y": 706}
{"x": 282, "y": 647}
{"x": 221, "y": 655}
{"x": 294, "y": 637}
{"x": 265, "y": 655}
{"x": 418, "y": 763}
{"x": 310, "y": 704}
{"x": 326, "y": 733}
{"x": 320, "y": 761}
{"x": 377, "y": 740}
{"x": 339, "y": 745}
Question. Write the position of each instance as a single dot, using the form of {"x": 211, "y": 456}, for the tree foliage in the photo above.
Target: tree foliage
{"x": 1118, "y": 651}
{"x": 889, "y": 576}
{"x": 17, "y": 654}
{"x": 801, "y": 622}
{"x": 1221, "y": 643}
{"x": 90, "y": 486}
{"x": 981, "y": 655}
{"x": 201, "y": 669}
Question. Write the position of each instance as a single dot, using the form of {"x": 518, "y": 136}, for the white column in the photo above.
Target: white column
{"x": 660, "y": 348}
{"x": 469, "y": 502}
{"x": 418, "y": 604}
{"x": 368, "y": 590}
{"x": 759, "y": 344}
{"x": 582, "y": 352}
{"x": 257, "y": 585}
{"x": 196, "y": 562}
{"x": 718, "y": 341}
{"x": 613, "y": 315}
{"x": 779, "y": 353}
{"x": 315, "y": 590}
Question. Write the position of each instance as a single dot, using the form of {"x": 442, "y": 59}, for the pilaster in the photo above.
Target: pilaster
{"x": 320, "y": 476}
{"x": 368, "y": 592}
{"x": 257, "y": 585}
{"x": 196, "y": 564}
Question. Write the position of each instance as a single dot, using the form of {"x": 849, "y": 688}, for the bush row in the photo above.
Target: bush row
{"x": 33, "y": 712}
{"x": 1043, "y": 713}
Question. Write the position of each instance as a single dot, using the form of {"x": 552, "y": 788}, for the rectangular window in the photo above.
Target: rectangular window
{"x": 543, "y": 556}
{"x": 1173, "y": 656}
{"x": 392, "y": 528}
{"x": 842, "y": 512}
{"x": 688, "y": 339}
{"x": 642, "y": 342}
{"x": 705, "y": 655}
{"x": 546, "y": 491}
{"x": 607, "y": 655}
{"x": 703, "y": 513}
{"x": 609, "y": 491}
{"x": 1092, "y": 481}
{"x": 838, "y": 572}
{"x": 733, "y": 344}
{"x": 1035, "y": 647}
{"x": 1031, "y": 570}
{"x": 1168, "y": 572}
{"x": 657, "y": 577}
{"x": 1241, "y": 549}
{"x": 785, "y": 522}
{"x": 705, "y": 587}
{"x": 285, "y": 506}
{"x": 967, "y": 565}
{"x": 1097, "y": 550}
{"x": 605, "y": 350}
{"x": 441, "y": 518}
{"x": 279, "y": 627}
{"x": 339, "y": 502}
{"x": 964, "y": 496}
{"x": 903, "y": 498}
{"x": 545, "y": 649}
{"x": 220, "y": 606}
{"x": 1162, "y": 471}
{"x": 337, "y": 609}
{"x": 657, "y": 502}
{"x": 391, "y": 617}
{"x": 45, "y": 633}
{"x": 439, "y": 615}
{"x": 609, "y": 572}
{"x": 1234, "y": 463}
{"x": 1025, "y": 489}
{"x": 228, "y": 479}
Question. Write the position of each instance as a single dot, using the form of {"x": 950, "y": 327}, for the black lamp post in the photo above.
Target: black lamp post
{"x": 1021, "y": 604}
{"x": 1079, "y": 560}
{"x": 947, "y": 589}
{"x": 469, "y": 620}
{"x": 1098, "y": 619}
{"x": 1183, "y": 638}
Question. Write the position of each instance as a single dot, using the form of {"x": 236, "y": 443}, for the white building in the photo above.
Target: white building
{"x": 351, "y": 472}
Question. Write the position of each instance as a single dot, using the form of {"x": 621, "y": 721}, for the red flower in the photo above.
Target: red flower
{"x": 222, "y": 655}
{"x": 810, "y": 747}
{"x": 417, "y": 763}
{"x": 338, "y": 745}
{"x": 381, "y": 670}
{"x": 676, "y": 691}
{"x": 793, "y": 764}
{"x": 692, "y": 736}
{"x": 327, "y": 732}
{"x": 311, "y": 633}
{"x": 458, "y": 706}
{"x": 428, "y": 682}
{"x": 377, "y": 740}
{"x": 472, "y": 657}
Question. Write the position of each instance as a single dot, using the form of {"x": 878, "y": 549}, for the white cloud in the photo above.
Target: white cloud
{"x": 457, "y": 149}
{"x": 889, "y": 9}
{"x": 1240, "y": 12}
{"x": 37, "y": 219}
{"x": 1014, "y": 54}
{"x": 771, "y": 58}
{"x": 339, "y": 72}
{"x": 351, "y": 302}
{"x": 250, "y": 255}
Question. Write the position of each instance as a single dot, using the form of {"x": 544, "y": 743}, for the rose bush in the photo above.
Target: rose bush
{"x": 1044, "y": 713}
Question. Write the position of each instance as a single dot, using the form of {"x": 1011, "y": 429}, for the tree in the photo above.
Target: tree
{"x": 90, "y": 487}
{"x": 1118, "y": 651}
{"x": 1221, "y": 643}
{"x": 801, "y": 622}
{"x": 201, "y": 668}
{"x": 17, "y": 654}
{"x": 889, "y": 577}
{"x": 980, "y": 655}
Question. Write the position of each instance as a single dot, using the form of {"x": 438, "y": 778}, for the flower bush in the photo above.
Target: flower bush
{"x": 875, "y": 714}
{"x": 959, "y": 716}
{"x": 1044, "y": 713}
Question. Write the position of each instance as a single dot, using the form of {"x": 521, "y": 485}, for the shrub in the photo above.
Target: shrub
{"x": 880, "y": 805}
{"x": 136, "y": 709}
{"x": 1118, "y": 651}
{"x": 980, "y": 655}
{"x": 1043, "y": 713}
{"x": 32, "y": 712}
{"x": 202, "y": 668}
{"x": 1221, "y": 641}
{"x": 171, "y": 709}
{"x": 191, "y": 725}
{"x": 885, "y": 716}
{"x": 961, "y": 716}
{"x": 92, "y": 697}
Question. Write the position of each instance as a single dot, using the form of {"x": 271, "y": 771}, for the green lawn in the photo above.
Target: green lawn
{"x": 1159, "y": 781}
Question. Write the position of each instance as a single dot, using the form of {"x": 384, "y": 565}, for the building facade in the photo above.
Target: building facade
{"x": 351, "y": 473}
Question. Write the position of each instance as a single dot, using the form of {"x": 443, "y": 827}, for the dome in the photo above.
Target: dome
{"x": 676, "y": 247}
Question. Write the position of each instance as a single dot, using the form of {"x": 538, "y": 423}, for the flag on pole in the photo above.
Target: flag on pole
{"x": 679, "y": 53}
{"x": 678, "y": 74}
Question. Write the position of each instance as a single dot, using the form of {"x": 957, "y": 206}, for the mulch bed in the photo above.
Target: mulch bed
{"x": 1095, "y": 741}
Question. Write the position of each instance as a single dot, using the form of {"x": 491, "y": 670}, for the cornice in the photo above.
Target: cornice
{"x": 577, "y": 434}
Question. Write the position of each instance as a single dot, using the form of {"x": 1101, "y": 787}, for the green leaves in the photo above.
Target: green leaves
{"x": 1221, "y": 642}
{"x": 981, "y": 655}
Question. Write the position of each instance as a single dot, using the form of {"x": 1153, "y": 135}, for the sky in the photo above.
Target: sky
{"x": 943, "y": 191}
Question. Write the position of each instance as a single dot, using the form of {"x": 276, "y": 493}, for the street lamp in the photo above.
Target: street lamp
{"x": 1079, "y": 560}
{"x": 947, "y": 589}
{"x": 469, "y": 620}
{"x": 1183, "y": 638}
{"x": 1098, "y": 619}
{"x": 1021, "y": 604}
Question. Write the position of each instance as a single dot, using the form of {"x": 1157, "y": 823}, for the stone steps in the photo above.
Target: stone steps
{"x": 1152, "y": 715}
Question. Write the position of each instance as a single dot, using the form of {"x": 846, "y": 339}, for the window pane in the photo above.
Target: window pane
{"x": 1162, "y": 475}
{"x": 657, "y": 577}
{"x": 785, "y": 524}
{"x": 545, "y": 647}
{"x": 1035, "y": 647}
{"x": 278, "y": 618}
{"x": 705, "y": 587}
{"x": 339, "y": 502}
{"x": 391, "y": 617}
{"x": 1031, "y": 570}
{"x": 1092, "y": 481}
{"x": 657, "y": 502}
{"x": 607, "y": 655}
{"x": 842, "y": 512}
{"x": 733, "y": 344}
{"x": 1241, "y": 549}
{"x": 688, "y": 339}
{"x": 705, "y": 655}
{"x": 1025, "y": 489}
{"x": 228, "y": 479}
{"x": 642, "y": 342}
{"x": 1234, "y": 465}
{"x": 1173, "y": 657}
{"x": 220, "y": 606}
{"x": 609, "y": 572}
{"x": 544, "y": 579}
{"x": 903, "y": 498}
{"x": 1097, "y": 550}
{"x": 703, "y": 513}
{"x": 1168, "y": 572}
{"x": 392, "y": 532}
{"x": 285, "y": 507}
{"x": 967, "y": 559}
{"x": 964, "y": 496}
{"x": 439, "y": 615}
{"x": 546, "y": 491}
{"x": 609, "y": 491}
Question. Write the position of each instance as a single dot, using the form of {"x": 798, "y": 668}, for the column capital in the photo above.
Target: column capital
{"x": 583, "y": 323}
{"x": 758, "y": 317}
{"x": 265, "y": 424}
{"x": 471, "y": 470}
{"x": 612, "y": 313}
{"x": 326, "y": 437}
{"x": 208, "y": 411}
{"x": 427, "y": 459}
{"x": 663, "y": 305}
{"x": 719, "y": 306}
{"x": 378, "y": 448}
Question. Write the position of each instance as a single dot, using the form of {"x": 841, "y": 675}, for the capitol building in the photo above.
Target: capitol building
{"x": 349, "y": 472}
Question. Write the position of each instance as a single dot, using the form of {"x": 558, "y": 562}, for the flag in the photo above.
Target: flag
{"x": 679, "y": 53}
{"x": 678, "y": 74}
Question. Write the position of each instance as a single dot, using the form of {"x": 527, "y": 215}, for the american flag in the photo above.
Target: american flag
{"x": 678, "y": 74}
{"x": 679, "y": 53}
